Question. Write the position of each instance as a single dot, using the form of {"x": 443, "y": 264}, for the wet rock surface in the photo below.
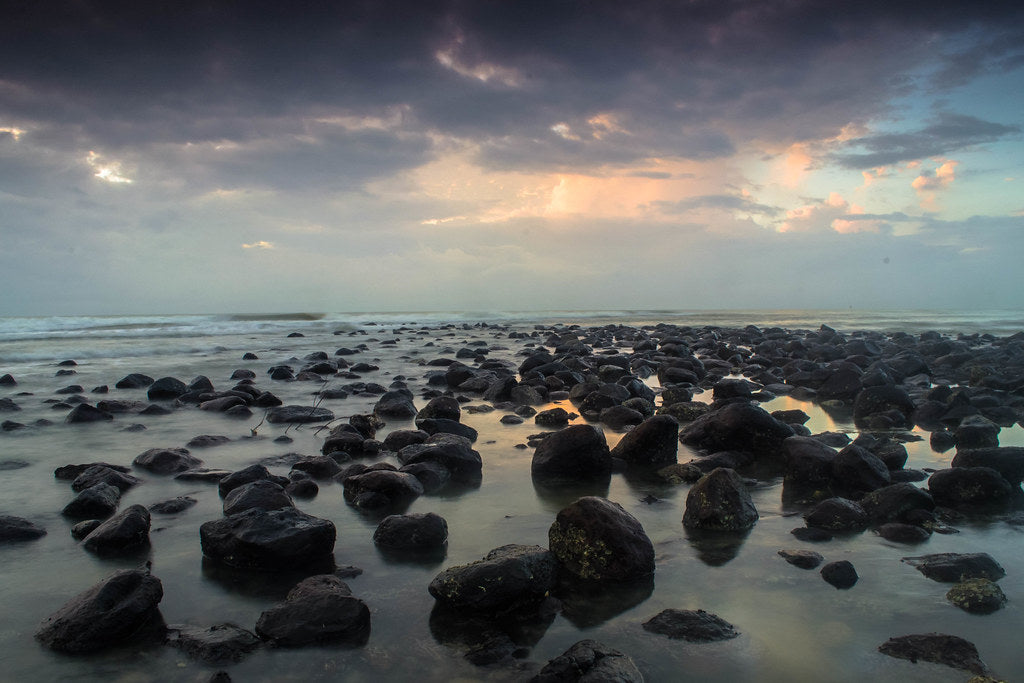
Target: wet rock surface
{"x": 695, "y": 626}
{"x": 938, "y": 648}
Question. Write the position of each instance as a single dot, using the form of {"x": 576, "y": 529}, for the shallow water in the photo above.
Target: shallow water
{"x": 793, "y": 625}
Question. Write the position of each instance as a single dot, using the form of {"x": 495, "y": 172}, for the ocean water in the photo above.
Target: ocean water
{"x": 793, "y": 625}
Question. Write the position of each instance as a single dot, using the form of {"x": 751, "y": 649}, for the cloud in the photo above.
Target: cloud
{"x": 261, "y": 244}
{"x": 730, "y": 202}
{"x": 946, "y": 133}
{"x": 833, "y": 214}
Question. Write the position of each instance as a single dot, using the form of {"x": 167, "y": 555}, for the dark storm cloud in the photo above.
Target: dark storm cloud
{"x": 687, "y": 77}
{"x": 948, "y": 133}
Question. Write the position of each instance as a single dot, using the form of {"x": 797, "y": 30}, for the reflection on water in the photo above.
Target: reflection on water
{"x": 588, "y": 605}
{"x": 716, "y": 548}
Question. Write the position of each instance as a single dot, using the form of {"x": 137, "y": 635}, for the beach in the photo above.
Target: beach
{"x": 792, "y": 624}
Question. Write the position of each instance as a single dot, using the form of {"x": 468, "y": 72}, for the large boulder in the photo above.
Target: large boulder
{"x": 380, "y": 489}
{"x": 100, "y": 474}
{"x": 397, "y": 404}
{"x": 96, "y": 502}
{"x": 969, "y": 486}
{"x": 737, "y": 427}
{"x": 808, "y": 461}
{"x": 166, "y": 388}
{"x": 883, "y": 400}
{"x": 423, "y": 531}
{"x": 298, "y": 414}
{"x": 507, "y": 578}
{"x": 576, "y": 453}
{"x": 595, "y": 539}
{"x": 589, "y": 661}
{"x": 855, "y": 469}
{"x": 652, "y": 443}
{"x": 319, "y": 609}
{"x": 443, "y": 407}
{"x": 719, "y": 501}
{"x": 894, "y": 502}
{"x": 166, "y": 460}
{"x": 454, "y": 453}
{"x": 109, "y": 613}
{"x": 1006, "y": 460}
{"x": 837, "y": 514}
{"x": 976, "y": 431}
{"x": 268, "y": 539}
{"x": 123, "y": 533}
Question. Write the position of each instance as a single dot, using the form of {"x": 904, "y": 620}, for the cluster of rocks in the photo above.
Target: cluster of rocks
{"x": 963, "y": 391}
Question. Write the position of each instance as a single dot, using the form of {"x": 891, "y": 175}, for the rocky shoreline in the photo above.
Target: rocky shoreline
{"x": 665, "y": 391}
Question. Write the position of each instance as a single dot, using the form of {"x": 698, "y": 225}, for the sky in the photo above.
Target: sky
{"x": 477, "y": 155}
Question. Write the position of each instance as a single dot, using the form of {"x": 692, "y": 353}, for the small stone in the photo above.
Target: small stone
{"x": 695, "y": 626}
{"x": 840, "y": 574}
{"x": 804, "y": 559}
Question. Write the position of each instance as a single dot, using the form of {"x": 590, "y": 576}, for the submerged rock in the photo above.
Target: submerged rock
{"x": 955, "y": 567}
{"x": 107, "y": 614}
{"x": 695, "y": 626}
{"x": 216, "y": 645}
{"x": 804, "y": 559}
{"x": 589, "y": 660}
{"x": 938, "y": 648}
{"x": 167, "y": 460}
{"x": 14, "y": 529}
{"x": 978, "y": 596}
{"x": 295, "y": 414}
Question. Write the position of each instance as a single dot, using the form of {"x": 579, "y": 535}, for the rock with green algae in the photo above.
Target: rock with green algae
{"x": 978, "y": 596}
{"x": 595, "y": 539}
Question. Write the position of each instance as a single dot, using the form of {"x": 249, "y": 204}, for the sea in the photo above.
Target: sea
{"x": 792, "y": 624}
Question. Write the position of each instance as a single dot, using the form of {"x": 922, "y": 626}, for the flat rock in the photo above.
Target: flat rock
{"x": 695, "y": 626}
{"x": 215, "y": 645}
{"x": 166, "y": 460}
{"x": 173, "y": 506}
{"x": 589, "y": 660}
{"x": 508, "y": 577}
{"x": 804, "y": 559}
{"x": 938, "y": 648}
{"x": 14, "y": 529}
{"x": 955, "y": 567}
{"x": 268, "y": 539}
{"x": 298, "y": 414}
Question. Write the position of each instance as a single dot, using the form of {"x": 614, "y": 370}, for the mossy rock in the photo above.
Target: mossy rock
{"x": 977, "y": 596}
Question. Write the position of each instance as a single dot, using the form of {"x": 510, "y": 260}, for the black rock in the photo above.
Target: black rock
{"x": 96, "y": 502}
{"x": 903, "y": 533}
{"x": 397, "y": 404}
{"x": 166, "y": 388}
{"x": 400, "y": 438}
{"x": 433, "y": 426}
{"x": 954, "y": 567}
{"x": 938, "y": 648}
{"x": 507, "y": 578}
{"x": 124, "y": 533}
{"x": 856, "y": 469}
{"x": 298, "y": 414}
{"x": 808, "y": 460}
{"x": 882, "y": 399}
{"x": 894, "y": 502}
{"x": 589, "y": 660}
{"x": 217, "y": 645}
{"x": 595, "y": 539}
{"x": 109, "y": 613}
{"x": 1007, "y": 460}
{"x": 134, "y": 380}
{"x": 261, "y": 494}
{"x": 695, "y": 626}
{"x": 969, "y": 486}
{"x": 977, "y": 596}
{"x": 166, "y": 460}
{"x": 804, "y": 559}
{"x": 837, "y": 514}
{"x": 719, "y": 501}
{"x": 976, "y": 431}
{"x": 652, "y": 443}
{"x": 84, "y": 528}
{"x": 318, "y": 467}
{"x": 840, "y": 574}
{"x": 173, "y": 506}
{"x": 14, "y": 529}
{"x": 98, "y": 474}
{"x": 269, "y": 539}
{"x": 84, "y": 412}
{"x": 412, "y": 532}
{"x": 454, "y": 453}
{"x": 576, "y": 453}
{"x": 443, "y": 407}
{"x": 207, "y": 441}
{"x": 737, "y": 427}
{"x": 319, "y": 609}
{"x": 552, "y": 417}
{"x": 381, "y": 489}
{"x": 246, "y": 476}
